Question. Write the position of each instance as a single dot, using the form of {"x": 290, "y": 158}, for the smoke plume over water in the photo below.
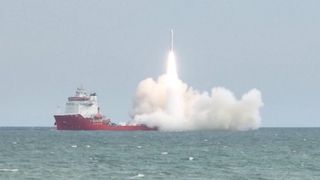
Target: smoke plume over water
{"x": 171, "y": 105}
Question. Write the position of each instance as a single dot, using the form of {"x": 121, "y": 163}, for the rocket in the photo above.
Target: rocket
{"x": 171, "y": 49}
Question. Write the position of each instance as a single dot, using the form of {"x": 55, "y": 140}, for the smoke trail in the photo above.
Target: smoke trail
{"x": 218, "y": 109}
{"x": 171, "y": 105}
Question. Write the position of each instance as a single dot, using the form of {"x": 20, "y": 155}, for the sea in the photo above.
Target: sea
{"x": 266, "y": 153}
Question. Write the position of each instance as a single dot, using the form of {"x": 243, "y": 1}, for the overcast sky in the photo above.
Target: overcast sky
{"x": 48, "y": 48}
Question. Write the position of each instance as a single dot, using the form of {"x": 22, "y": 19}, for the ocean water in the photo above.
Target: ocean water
{"x": 268, "y": 153}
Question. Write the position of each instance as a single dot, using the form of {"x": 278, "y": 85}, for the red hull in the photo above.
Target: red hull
{"x": 78, "y": 122}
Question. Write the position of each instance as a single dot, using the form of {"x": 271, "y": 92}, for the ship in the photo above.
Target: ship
{"x": 82, "y": 112}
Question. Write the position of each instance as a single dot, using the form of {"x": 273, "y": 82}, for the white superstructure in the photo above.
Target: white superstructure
{"x": 82, "y": 103}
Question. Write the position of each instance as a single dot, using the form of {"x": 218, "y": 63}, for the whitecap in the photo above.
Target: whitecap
{"x": 88, "y": 146}
{"x": 205, "y": 140}
{"x": 164, "y": 153}
{"x": 9, "y": 170}
{"x": 191, "y": 158}
{"x": 140, "y": 175}
{"x": 137, "y": 176}
{"x": 139, "y": 147}
{"x": 74, "y": 146}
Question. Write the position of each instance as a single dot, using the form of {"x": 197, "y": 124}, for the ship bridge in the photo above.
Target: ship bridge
{"x": 82, "y": 103}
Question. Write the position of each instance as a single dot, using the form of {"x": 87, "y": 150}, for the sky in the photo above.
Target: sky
{"x": 49, "y": 48}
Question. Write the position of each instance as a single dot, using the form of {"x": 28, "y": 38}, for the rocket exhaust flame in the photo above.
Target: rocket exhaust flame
{"x": 174, "y": 106}
{"x": 172, "y": 67}
{"x": 170, "y": 105}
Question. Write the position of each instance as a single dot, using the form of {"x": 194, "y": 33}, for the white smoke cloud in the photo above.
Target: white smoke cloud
{"x": 155, "y": 105}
